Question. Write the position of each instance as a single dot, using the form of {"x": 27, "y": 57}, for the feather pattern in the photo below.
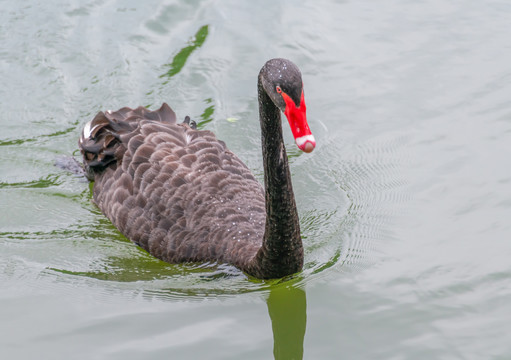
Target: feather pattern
{"x": 176, "y": 191}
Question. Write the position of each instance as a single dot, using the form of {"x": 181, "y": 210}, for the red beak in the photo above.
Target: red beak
{"x": 298, "y": 123}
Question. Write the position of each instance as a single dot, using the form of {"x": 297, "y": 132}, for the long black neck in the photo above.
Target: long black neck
{"x": 282, "y": 252}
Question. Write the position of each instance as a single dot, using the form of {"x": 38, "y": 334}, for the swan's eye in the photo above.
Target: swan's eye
{"x": 279, "y": 90}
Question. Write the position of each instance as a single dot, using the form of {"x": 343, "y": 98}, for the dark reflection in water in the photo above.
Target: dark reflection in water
{"x": 287, "y": 307}
{"x": 179, "y": 60}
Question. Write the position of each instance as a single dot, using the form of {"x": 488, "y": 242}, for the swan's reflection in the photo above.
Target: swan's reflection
{"x": 287, "y": 307}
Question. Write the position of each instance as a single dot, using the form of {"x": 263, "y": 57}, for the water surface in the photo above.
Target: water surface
{"x": 404, "y": 204}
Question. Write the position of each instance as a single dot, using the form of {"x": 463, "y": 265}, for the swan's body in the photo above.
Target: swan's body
{"x": 183, "y": 196}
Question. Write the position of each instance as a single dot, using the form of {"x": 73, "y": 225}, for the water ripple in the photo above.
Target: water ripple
{"x": 359, "y": 187}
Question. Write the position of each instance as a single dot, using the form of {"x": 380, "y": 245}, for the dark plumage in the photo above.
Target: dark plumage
{"x": 179, "y": 193}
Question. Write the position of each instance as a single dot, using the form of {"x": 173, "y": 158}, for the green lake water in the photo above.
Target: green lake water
{"x": 405, "y": 204}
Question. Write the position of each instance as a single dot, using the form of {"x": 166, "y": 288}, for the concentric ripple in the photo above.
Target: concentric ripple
{"x": 348, "y": 197}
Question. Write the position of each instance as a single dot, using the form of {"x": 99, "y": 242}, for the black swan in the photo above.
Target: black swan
{"x": 180, "y": 194}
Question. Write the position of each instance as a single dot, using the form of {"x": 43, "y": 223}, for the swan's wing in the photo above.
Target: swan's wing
{"x": 176, "y": 191}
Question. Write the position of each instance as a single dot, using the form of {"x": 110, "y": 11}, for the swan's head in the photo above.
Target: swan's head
{"x": 282, "y": 81}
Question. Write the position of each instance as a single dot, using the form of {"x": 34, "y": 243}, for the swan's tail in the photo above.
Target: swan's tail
{"x": 104, "y": 140}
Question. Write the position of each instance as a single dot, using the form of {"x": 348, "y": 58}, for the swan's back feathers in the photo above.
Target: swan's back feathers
{"x": 176, "y": 191}
{"x": 103, "y": 139}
